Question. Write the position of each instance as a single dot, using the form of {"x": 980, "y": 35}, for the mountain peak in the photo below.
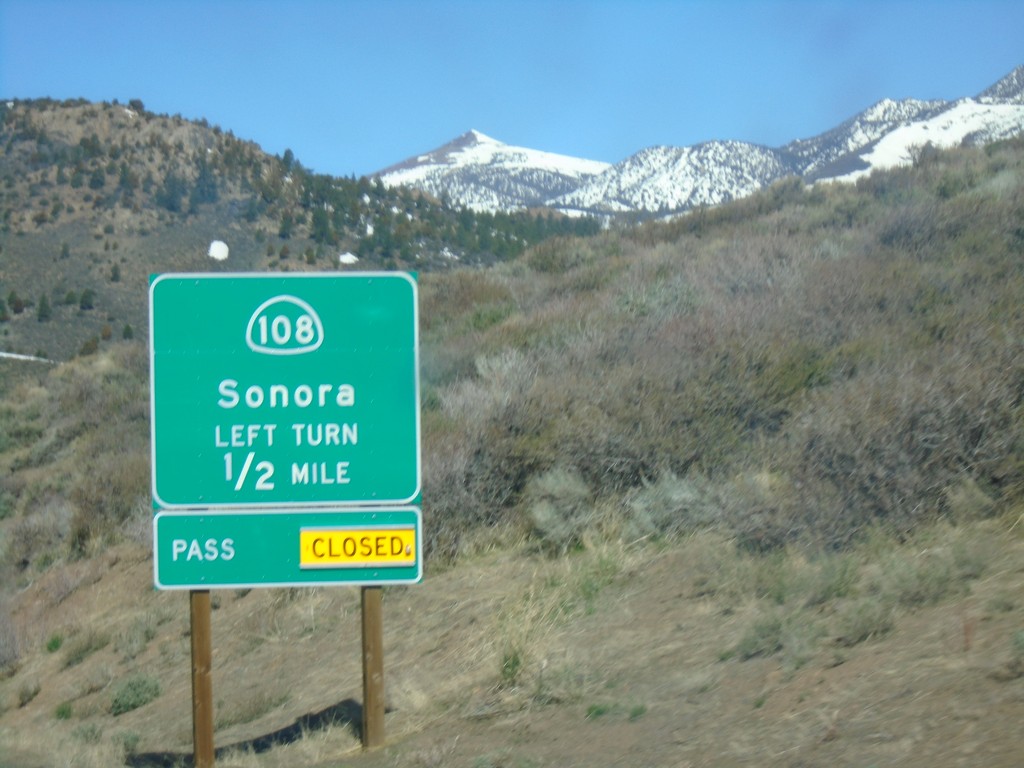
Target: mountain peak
{"x": 1009, "y": 90}
{"x": 485, "y": 174}
{"x": 446, "y": 154}
{"x": 480, "y": 138}
{"x": 471, "y": 138}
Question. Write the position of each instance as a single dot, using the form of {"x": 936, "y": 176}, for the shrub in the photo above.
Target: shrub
{"x": 252, "y": 708}
{"x": 128, "y": 741}
{"x": 90, "y": 733}
{"x": 9, "y": 652}
{"x": 1017, "y": 644}
{"x": 133, "y": 640}
{"x": 560, "y": 508}
{"x": 90, "y": 346}
{"x": 917, "y": 581}
{"x": 836, "y": 578}
{"x": 16, "y": 303}
{"x": 82, "y": 646}
{"x": 762, "y": 638}
{"x": 171, "y": 192}
{"x": 795, "y": 635}
{"x": 669, "y": 505}
{"x": 27, "y": 692}
{"x": 862, "y": 619}
{"x": 133, "y": 693}
{"x": 511, "y": 667}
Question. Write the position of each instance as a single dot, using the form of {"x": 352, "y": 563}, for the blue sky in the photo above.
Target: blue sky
{"x": 352, "y": 87}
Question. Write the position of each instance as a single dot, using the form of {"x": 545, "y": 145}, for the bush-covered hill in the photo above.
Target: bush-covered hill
{"x": 96, "y": 197}
{"x": 726, "y": 420}
{"x": 799, "y": 366}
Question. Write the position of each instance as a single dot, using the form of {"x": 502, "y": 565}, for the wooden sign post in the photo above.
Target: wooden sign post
{"x": 373, "y": 668}
{"x": 202, "y": 684}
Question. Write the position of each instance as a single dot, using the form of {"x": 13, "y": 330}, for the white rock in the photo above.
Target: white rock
{"x": 218, "y": 250}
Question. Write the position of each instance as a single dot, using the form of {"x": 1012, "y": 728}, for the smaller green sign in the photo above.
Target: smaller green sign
{"x": 289, "y": 548}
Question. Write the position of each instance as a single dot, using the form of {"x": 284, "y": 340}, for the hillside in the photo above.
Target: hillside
{"x": 741, "y": 489}
{"x": 97, "y": 197}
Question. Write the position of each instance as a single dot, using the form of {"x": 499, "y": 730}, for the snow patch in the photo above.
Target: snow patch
{"x": 30, "y": 358}
{"x": 218, "y": 250}
{"x": 966, "y": 120}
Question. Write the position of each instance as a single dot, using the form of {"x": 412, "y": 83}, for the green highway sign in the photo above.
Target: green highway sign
{"x": 289, "y": 548}
{"x": 284, "y": 391}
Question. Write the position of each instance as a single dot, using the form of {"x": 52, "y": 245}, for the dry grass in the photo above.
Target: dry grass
{"x": 616, "y": 630}
{"x": 559, "y": 592}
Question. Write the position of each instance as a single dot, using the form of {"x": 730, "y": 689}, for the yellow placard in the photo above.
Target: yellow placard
{"x": 357, "y": 547}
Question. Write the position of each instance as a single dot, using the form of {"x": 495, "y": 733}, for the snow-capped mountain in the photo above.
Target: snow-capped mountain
{"x": 1009, "y": 90}
{"x": 487, "y": 175}
{"x": 967, "y": 121}
{"x": 484, "y": 174}
{"x": 667, "y": 179}
{"x": 824, "y": 155}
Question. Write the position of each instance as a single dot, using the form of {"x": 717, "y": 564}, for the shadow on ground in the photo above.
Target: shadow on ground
{"x": 348, "y": 712}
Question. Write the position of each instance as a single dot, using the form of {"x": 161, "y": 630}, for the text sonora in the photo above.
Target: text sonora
{"x": 281, "y": 395}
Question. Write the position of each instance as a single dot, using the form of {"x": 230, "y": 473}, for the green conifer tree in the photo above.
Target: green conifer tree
{"x": 43, "y": 310}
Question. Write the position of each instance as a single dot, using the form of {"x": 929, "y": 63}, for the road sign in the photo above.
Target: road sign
{"x": 290, "y": 548}
{"x": 284, "y": 391}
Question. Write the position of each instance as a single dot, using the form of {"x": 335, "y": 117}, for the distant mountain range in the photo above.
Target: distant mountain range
{"x": 484, "y": 174}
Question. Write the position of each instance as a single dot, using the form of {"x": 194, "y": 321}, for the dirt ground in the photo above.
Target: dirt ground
{"x": 937, "y": 692}
{"x": 613, "y": 658}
